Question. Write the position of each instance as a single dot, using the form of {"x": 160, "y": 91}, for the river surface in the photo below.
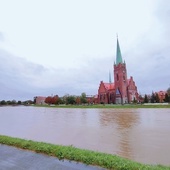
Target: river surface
{"x": 142, "y": 135}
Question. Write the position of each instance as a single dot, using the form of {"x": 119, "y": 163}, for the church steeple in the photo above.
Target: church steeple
{"x": 118, "y": 54}
{"x": 110, "y": 80}
{"x": 120, "y": 78}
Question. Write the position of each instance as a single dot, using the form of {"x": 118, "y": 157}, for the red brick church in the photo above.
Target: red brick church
{"x": 123, "y": 90}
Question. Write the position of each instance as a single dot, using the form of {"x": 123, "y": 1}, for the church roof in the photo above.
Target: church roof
{"x": 118, "y": 54}
{"x": 128, "y": 80}
{"x": 109, "y": 86}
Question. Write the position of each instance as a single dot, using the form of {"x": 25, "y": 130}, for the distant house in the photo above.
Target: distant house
{"x": 96, "y": 99}
{"x": 91, "y": 99}
{"x": 161, "y": 95}
{"x": 40, "y": 100}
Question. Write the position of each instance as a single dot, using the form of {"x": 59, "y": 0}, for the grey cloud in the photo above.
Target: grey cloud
{"x": 16, "y": 77}
{"x": 150, "y": 68}
{"x": 23, "y": 79}
{"x": 148, "y": 60}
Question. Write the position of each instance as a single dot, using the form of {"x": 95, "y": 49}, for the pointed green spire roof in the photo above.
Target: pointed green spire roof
{"x": 118, "y": 54}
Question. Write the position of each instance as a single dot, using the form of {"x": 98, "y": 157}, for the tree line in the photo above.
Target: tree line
{"x": 68, "y": 99}
{"x": 83, "y": 99}
{"x": 154, "y": 97}
{"x": 14, "y": 102}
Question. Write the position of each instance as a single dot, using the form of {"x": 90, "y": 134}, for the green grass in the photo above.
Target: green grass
{"x": 80, "y": 155}
{"x": 107, "y": 106}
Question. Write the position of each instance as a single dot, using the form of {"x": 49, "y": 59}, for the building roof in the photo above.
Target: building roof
{"x": 109, "y": 86}
{"x": 96, "y": 96}
{"x": 161, "y": 92}
{"x": 130, "y": 80}
{"x": 118, "y": 54}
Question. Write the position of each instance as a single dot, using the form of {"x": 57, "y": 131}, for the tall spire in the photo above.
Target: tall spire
{"x": 110, "y": 80}
{"x": 118, "y": 54}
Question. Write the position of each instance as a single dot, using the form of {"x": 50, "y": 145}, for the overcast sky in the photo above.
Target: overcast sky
{"x": 50, "y": 47}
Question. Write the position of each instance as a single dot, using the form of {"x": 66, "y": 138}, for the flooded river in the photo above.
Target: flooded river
{"x": 142, "y": 135}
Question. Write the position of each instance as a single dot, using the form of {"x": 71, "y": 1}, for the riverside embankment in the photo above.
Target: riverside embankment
{"x": 63, "y": 152}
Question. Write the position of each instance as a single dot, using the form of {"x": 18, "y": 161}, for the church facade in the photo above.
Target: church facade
{"x": 122, "y": 90}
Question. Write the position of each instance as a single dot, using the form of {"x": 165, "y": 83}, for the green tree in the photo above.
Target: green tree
{"x": 145, "y": 99}
{"x": 8, "y": 102}
{"x": 153, "y": 97}
{"x": 3, "y": 102}
{"x": 70, "y": 100}
{"x": 19, "y": 102}
{"x": 157, "y": 99}
{"x": 64, "y": 98}
{"x": 61, "y": 100}
{"x": 83, "y": 98}
{"x": 141, "y": 99}
{"x": 13, "y": 102}
{"x": 34, "y": 101}
{"x": 168, "y": 91}
{"x": 166, "y": 98}
{"x": 134, "y": 101}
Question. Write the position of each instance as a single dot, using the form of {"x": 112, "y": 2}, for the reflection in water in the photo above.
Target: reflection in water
{"x": 124, "y": 121}
{"x": 138, "y": 134}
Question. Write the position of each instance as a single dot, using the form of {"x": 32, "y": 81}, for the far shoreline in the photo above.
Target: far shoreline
{"x": 108, "y": 106}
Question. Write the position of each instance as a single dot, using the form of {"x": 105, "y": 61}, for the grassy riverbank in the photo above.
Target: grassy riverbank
{"x": 109, "y": 106}
{"x": 85, "y": 156}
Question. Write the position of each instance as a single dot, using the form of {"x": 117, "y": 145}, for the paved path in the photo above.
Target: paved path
{"x": 12, "y": 158}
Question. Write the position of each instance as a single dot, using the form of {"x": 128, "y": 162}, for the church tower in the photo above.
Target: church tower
{"x": 120, "y": 78}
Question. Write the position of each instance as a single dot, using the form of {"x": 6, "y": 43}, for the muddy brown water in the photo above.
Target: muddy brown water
{"x": 142, "y": 135}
